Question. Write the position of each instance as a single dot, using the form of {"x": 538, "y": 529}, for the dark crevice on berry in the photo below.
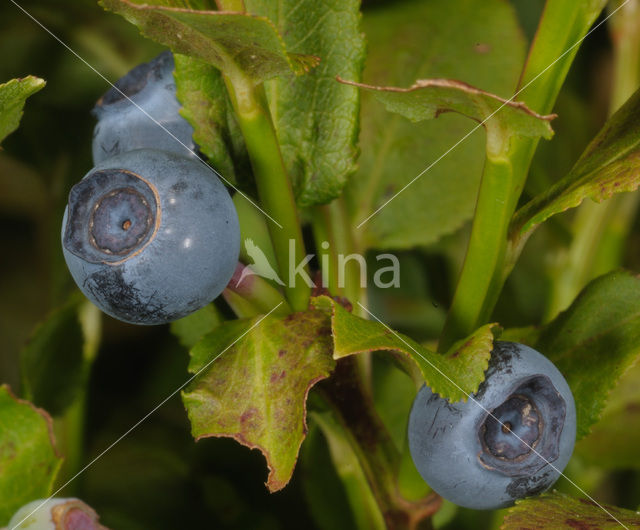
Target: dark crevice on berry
{"x": 522, "y": 434}
{"x": 513, "y": 429}
{"x": 112, "y": 214}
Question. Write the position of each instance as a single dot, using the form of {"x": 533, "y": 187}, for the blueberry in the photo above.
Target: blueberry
{"x": 122, "y": 126}
{"x": 487, "y": 461}
{"x": 56, "y": 514}
{"x": 150, "y": 237}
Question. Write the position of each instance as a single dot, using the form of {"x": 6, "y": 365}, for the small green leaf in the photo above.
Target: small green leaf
{"x": 557, "y": 510}
{"x": 427, "y": 99}
{"x": 610, "y": 164}
{"x": 613, "y": 442}
{"x": 206, "y": 106}
{"x": 315, "y": 116}
{"x": 12, "y": 97}
{"x": 528, "y": 335}
{"x": 453, "y": 375}
{"x": 595, "y": 341}
{"x": 479, "y": 43}
{"x": 28, "y": 457}
{"x": 52, "y": 362}
{"x": 193, "y": 327}
{"x": 256, "y": 390}
{"x": 237, "y": 44}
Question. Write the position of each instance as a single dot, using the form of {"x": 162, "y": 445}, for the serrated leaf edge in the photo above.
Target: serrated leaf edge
{"x": 272, "y": 484}
{"x": 455, "y": 84}
{"x": 424, "y": 377}
{"x": 43, "y": 413}
{"x": 298, "y": 63}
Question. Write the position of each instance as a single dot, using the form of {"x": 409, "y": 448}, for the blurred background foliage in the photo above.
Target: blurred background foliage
{"x": 157, "y": 477}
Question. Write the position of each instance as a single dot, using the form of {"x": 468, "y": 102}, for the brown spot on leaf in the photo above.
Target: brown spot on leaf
{"x": 247, "y": 415}
{"x": 275, "y": 376}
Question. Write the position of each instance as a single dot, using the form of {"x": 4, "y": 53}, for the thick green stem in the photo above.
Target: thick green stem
{"x": 479, "y": 283}
{"x": 274, "y": 186}
{"x": 487, "y": 263}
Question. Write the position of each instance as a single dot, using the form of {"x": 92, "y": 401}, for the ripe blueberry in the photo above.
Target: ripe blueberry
{"x": 56, "y": 514}
{"x": 122, "y": 126}
{"x": 513, "y": 439}
{"x": 150, "y": 237}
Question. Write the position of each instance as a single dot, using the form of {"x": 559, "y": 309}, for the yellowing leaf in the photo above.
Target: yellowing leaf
{"x": 256, "y": 391}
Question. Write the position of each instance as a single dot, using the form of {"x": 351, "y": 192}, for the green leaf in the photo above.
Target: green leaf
{"x": 28, "y": 457}
{"x": 556, "y": 510}
{"x": 595, "y": 341}
{"x": 206, "y": 106}
{"x": 241, "y": 46}
{"x": 479, "y": 43}
{"x": 315, "y": 116}
{"x": 192, "y": 328}
{"x": 12, "y": 97}
{"x": 52, "y": 362}
{"x": 613, "y": 442}
{"x": 427, "y": 99}
{"x": 256, "y": 390}
{"x": 528, "y": 335}
{"x": 610, "y": 164}
{"x": 453, "y": 375}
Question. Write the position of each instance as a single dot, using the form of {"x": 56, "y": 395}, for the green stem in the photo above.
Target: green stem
{"x": 600, "y": 230}
{"x": 69, "y": 431}
{"x": 363, "y": 504}
{"x": 487, "y": 262}
{"x": 251, "y": 295}
{"x": 274, "y": 186}
{"x": 333, "y": 234}
{"x": 571, "y": 269}
{"x": 333, "y": 229}
{"x": 479, "y": 285}
{"x": 253, "y": 227}
{"x": 70, "y": 428}
{"x": 371, "y": 443}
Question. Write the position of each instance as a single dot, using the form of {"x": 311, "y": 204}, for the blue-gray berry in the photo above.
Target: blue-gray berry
{"x": 150, "y": 236}
{"x": 513, "y": 439}
{"x": 122, "y": 125}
